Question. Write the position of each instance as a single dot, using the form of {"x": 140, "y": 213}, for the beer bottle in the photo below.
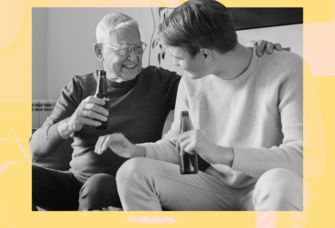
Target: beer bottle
{"x": 188, "y": 163}
{"x": 102, "y": 93}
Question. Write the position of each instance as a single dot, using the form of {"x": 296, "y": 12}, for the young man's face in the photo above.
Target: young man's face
{"x": 194, "y": 65}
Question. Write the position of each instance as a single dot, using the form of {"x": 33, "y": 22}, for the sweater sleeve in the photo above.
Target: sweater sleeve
{"x": 289, "y": 154}
{"x": 46, "y": 139}
{"x": 165, "y": 149}
{"x": 169, "y": 82}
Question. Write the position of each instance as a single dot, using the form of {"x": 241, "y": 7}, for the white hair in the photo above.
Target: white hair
{"x": 111, "y": 22}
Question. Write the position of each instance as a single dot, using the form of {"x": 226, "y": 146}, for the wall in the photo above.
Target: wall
{"x": 39, "y": 50}
{"x": 63, "y": 43}
{"x": 287, "y": 36}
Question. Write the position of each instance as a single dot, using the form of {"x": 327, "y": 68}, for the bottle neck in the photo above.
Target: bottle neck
{"x": 184, "y": 124}
{"x": 101, "y": 91}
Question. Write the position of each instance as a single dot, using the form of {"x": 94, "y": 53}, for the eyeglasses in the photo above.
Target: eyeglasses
{"x": 125, "y": 49}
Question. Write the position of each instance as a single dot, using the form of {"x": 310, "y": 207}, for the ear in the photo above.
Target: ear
{"x": 207, "y": 54}
{"x": 98, "y": 51}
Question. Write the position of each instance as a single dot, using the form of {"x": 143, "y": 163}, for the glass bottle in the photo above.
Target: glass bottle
{"x": 188, "y": 163}
{"x": 102, "y": 93}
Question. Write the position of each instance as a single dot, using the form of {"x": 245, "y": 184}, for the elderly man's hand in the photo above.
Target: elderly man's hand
{"x": 118, "y": 143}
{"x": 263, "y": 45}
{"x": 89, "y": 112}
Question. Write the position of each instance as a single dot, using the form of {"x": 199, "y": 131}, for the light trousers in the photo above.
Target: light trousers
{"x": 148, "y": 185}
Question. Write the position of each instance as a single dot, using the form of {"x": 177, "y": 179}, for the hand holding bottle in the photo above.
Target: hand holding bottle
{"x": 94, "y": 110}
{"x": 195, "y": 140}
{"x": 89, "y": 112}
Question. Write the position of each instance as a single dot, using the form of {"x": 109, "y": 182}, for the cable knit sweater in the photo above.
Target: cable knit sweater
{"x": 259, "y": 114}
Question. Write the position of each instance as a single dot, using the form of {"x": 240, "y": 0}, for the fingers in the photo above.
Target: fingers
{"x": 91, "y": 114}
{"x": 278, "y": 46}
{"x": 114, "y": 141}
{"x": 96, "y": 108}
{"x": 91, "y": 122}
{"x": 98, "y": 145}
{"x": 269, "y": 47}
{"x": 261, "y": 44}
{"x": 95, "y": 100}
{"x": 187, "y": 142}
{"x": 188, "y": 145}
{"x": 251, "y": 43}
{"x": 93, "y": 111}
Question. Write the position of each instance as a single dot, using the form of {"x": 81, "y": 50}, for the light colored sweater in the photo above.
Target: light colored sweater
{"x": 259, "y": 114}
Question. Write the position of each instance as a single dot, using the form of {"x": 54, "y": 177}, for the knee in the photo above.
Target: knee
{"x": 132, "y": 169}
{"x": 280, "y": 185}
{"x": 279, "y": 180}
{"x": 99, "y": 191}
{"x": 98, "y": 184}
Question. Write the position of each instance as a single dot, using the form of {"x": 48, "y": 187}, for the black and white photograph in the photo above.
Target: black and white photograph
{"x": 191, "y": 108}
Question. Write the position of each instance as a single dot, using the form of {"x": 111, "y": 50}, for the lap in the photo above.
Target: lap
{"x": 99, "y": 191}
{"x": 179, "y": 192}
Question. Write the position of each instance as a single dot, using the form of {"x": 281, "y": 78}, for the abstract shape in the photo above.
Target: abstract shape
{"x": 12, "y": 16}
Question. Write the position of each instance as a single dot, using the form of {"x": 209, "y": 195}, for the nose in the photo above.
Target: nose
{"x": 132, "y": 56}
{"x": 175, "y": 62}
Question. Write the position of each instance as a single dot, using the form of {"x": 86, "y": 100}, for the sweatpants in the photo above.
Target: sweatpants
{"x": 148, "y": 185}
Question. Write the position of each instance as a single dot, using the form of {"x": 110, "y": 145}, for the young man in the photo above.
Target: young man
{"x": 248, "y": 124}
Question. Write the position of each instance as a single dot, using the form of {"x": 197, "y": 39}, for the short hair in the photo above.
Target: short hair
{"x": 199, "y": 24}
{"x": 111, "y": 22}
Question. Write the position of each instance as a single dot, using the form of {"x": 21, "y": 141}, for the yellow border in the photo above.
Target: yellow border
{"x": 15, "y": 65}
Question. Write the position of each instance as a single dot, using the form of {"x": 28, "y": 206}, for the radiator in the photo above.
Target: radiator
{"x": 41, "y": 109}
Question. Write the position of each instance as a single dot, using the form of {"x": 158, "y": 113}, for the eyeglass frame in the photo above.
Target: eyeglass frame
{"x": 129, "y": 46}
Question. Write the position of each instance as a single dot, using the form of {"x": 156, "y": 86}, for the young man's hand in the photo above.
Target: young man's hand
{"x": 263, "y": 45}
{"x": 195, "y": 140}
{"x": 120, "y": 145}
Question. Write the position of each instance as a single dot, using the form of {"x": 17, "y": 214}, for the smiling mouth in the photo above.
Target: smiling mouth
{"x": 129, "y": 66}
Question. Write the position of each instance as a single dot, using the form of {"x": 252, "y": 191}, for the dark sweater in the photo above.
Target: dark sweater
{"x": 138, "y": 109}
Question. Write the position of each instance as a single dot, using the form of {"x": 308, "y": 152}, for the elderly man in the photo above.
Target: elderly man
{"x": 140, "y": 100}
{"x": 248, "y": 124}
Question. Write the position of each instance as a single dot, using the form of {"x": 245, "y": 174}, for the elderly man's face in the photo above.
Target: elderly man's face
{"x": 122, "y": 68}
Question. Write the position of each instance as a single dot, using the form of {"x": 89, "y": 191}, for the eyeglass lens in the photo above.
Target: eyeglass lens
{"x": 139, "y": 49}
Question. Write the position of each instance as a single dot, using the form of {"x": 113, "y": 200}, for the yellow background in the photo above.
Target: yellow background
{"x": 16, "y": 84}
